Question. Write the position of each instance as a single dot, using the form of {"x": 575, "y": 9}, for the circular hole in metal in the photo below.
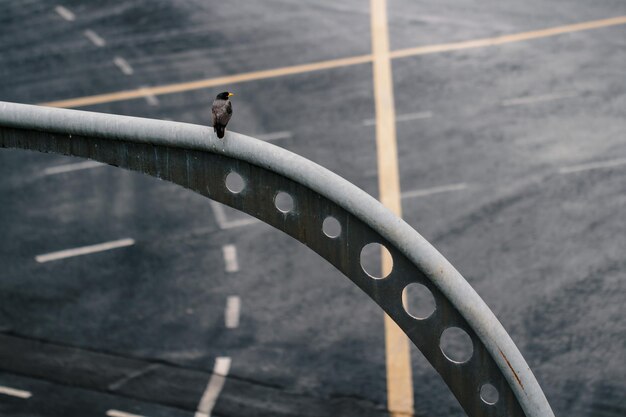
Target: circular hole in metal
{"x": 235, "y": 183}
{"x": 418, "y": 301}
{"x": 456, "y": 345}
{"x": 331, "y": 227}
{"x": 376, "y": 260}
{"x": 489, "y": 394}
{"x": 283, "y": 202}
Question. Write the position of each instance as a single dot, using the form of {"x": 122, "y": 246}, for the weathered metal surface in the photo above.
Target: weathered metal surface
{"x": 193, "y": 157}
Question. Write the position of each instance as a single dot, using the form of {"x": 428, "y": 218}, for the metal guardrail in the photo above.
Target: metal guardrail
{"x": 192, "y": 156}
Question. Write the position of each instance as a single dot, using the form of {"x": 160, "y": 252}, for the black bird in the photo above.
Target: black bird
{"x": 221, "y": 112}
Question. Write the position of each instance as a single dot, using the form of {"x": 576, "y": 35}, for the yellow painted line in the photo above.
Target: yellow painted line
{"x": 516, "y": 37}
{"x": 397, "y": 352}
{"x": 209, "y": 82}
{"x": 334, "y": 63}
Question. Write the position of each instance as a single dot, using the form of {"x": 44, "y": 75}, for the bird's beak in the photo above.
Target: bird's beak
{"x": 230, "y": 94}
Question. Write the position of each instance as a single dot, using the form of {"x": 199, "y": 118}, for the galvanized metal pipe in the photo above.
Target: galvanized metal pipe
{"x": 192, "y": 156}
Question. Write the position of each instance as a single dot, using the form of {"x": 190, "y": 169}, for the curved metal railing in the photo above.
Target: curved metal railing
{"x": 192, "y": 156}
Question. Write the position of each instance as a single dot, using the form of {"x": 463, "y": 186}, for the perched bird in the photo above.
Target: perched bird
{"x": 221, "y": 111}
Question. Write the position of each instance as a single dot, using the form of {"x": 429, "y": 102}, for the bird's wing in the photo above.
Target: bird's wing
{"x": 213, "y": 116}
{"x": 222, "y": 114}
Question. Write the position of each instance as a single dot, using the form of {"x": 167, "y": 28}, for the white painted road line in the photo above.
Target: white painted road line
{"x": 593, "y": 165}
{"x": 222, "y": 220}
{"x": 434, "y": 190}
{"x": 413, "y": 116}
{"x": 139, "y": 372}
{"x": 233, "y": 309}
{"x": 403, "y": 118}
{"x": 15, "y": 392}
{"x": 94, "y": 38}
{"x": 118, "y": 413}
{"x": 150, "y": 98}
{"x": 230, "y": 258}
{"x": 65, "y": 13}
{"x": 60, "y": 169}
{"x": 213, "y": 389}
{"x": 267, "y": 137}
{"x": 84, "y": 250}
{"x": 538, "y": 99}
{"x": 123, "y": 65}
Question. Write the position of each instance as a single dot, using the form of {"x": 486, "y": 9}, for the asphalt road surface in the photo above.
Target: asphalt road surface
{"x": 512, "y": 161}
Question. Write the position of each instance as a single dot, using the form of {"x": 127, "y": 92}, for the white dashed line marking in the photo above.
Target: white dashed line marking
{"x": 213, "y": 389}
{"x": 434, "y": 190}
{"x": 222, "y": 220}
{"x": 593, "y": 165}
{"x": 65, "y": 13}
{"x": 118, "y": 413}
{"x": 150, "y": 98}
{"x": 84, "y": 250}
{"x": 413, "y": 116}
{"x": 123, "y": 65}
{"x": 267, "y": 137}
{"x": 94, "y": 38}
{"x": 133, "y": 375}
{"x": 538, "y": 99}
{"x": 60, "y": 169}
{"x": 403, "y": 118}
{"x": 230, "y": 258}
{"x": 233, "y": 309}
{"x": 12, "y": 392}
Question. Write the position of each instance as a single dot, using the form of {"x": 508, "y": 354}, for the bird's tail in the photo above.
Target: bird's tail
{"x": 219, "y": 129}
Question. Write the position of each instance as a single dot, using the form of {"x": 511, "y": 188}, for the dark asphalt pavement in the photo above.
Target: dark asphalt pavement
{"x": 139, "y": 329}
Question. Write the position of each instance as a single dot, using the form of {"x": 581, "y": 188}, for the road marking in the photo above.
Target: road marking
{"x": 94, "y": 38}
{"x": 403, "y": 118}
{"x": 504, "y": 39}
{"x": 434, "y": 190}
{"x": 65, "y": 13}
{"x": 274, "y": 136}
{"x": 230, "y": 258}
{"x": 231, "y": 315}
{"x": 60, "y": 169}
{"x": 222, "y": 220}
{"x": 84, "y": 250}
{"x": 126, "y": 69}
{"x": 118, "y": 413}
{"x": 213, "y": 389}
{"x": 139, "y": 372}
{"x": 413, "y": 116}
{"x": 538, "y": 99}
{"x": 398, "y": 358}
{"x": 593, "y": 165}
{"x": 333, "y": 63}
{"x": 211, "y": 82}
{"x": 150, "y": 98}
{"x": 12, "y": 392}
